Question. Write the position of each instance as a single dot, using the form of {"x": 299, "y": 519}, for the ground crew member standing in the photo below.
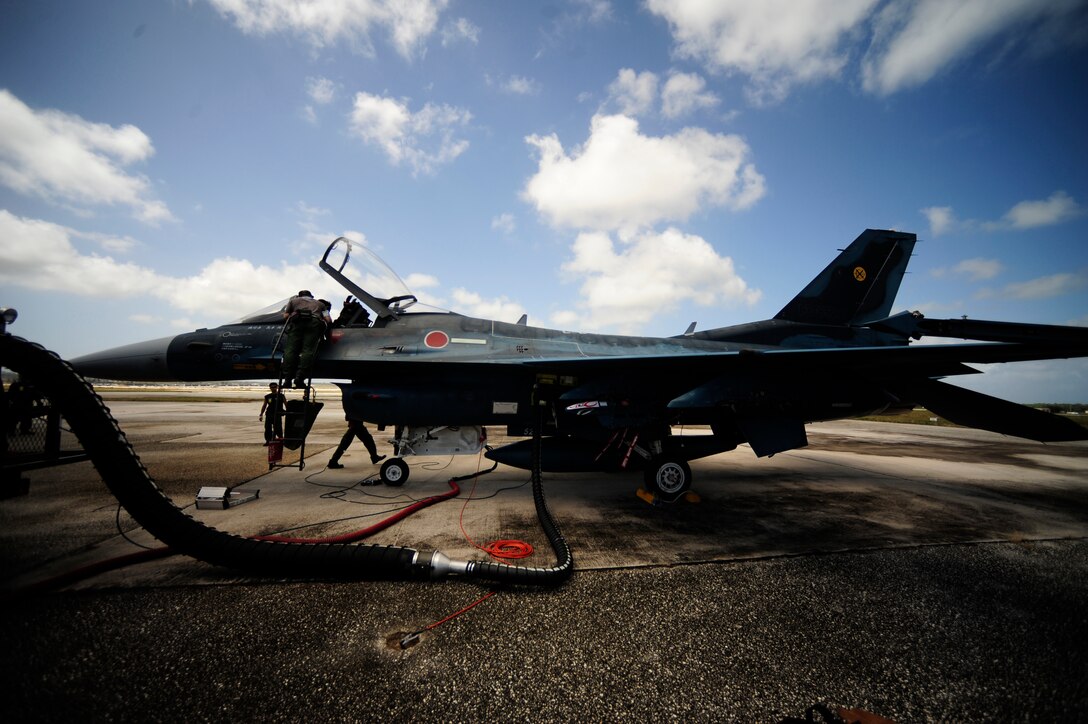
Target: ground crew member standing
{"x": 356, "y": 429}
{"x": 305, "y": 325}
{"x": 275, "y": 404}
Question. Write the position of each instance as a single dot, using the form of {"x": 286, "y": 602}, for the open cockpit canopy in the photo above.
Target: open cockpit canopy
{"x": 369, "y": 279}
{"x": 363, "y": 273}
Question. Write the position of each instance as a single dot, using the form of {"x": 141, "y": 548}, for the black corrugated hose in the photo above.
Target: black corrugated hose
{"x": 564, "y": 565}
{"x": 128, "y": 480}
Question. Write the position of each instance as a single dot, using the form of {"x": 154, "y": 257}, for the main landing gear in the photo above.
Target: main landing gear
{"x": 667, "y": 478}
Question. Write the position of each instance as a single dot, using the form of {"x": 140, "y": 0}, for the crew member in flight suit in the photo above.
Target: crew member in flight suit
{"x": 275, "y": 404}
{"x": 356, "y": 429}
{"x": 306, "y": 321}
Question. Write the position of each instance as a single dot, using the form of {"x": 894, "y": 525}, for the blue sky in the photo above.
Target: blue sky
{"x": 601, "y": 166}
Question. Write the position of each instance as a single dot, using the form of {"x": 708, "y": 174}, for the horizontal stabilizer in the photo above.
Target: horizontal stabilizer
{"x": 986, "y": 331}
{"x": 974, "y": 409}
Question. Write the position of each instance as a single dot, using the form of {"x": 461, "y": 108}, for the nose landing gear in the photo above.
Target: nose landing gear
{"x": 394, "y": 472}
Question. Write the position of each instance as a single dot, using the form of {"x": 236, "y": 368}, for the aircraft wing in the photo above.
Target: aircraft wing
{"x": 765, "y": 382}
{"x": 879, "y": 362}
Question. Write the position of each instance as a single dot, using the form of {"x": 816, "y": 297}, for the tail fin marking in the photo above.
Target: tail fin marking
{"x": 859, "y": 286}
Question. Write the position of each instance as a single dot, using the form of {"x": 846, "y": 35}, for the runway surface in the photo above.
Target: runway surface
{"x": 921, "y": 573}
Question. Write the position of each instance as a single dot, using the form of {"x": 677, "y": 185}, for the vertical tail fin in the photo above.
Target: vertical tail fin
{"x": 859, "y": 286}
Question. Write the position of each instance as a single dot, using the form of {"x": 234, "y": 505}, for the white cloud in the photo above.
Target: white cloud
{"x": 914, "y": 40}
{"x": 625, "y": 286}
{"x": 116, "y": 244}
{"x": 621, "y": 179}
{"x": 382, "y": 121}
{"x": 417, "y": 280}
{"x": 474, "y": 305}
{"x": 310, "y": 211}
{"x": 977, "y": 269}
{"x": 316, "y": 238}
{"x": 521, "y": 86}
{"x": 68, "y": 160}
{"x": 461, "y": 29}
{"x": 595, "y": 11}
{"x": 1055, "y": 285}
{"x": 1060, "y": 207}
{"x": 228, "y": 288}
{"x": 1057, "y": 209}
{"x": 184, "y": 323}
{"x": 776, "y": 43}
{"x": 408, "y": 23}
{"x": 940, "y": 219}
{"x": 427, "y": 289}
{"x": 633, "y": 93}
{"x": 424, "y": 139}
{"x": 504, "y": 223}
{"x": 516, "y": 85}
{"x": 683, "y": 94}
{"x": 40, "y": 255}
{"x": 321, "y": 90}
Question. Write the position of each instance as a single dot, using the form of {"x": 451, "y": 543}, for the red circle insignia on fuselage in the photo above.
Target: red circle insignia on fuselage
{"x": 436, "y": 339}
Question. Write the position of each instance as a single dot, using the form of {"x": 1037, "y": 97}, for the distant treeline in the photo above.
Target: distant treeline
{"x": 1078, "y": 407}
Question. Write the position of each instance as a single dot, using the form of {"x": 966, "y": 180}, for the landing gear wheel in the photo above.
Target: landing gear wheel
{"x": 668, "y": 479}
{"x": 394, "y": 472}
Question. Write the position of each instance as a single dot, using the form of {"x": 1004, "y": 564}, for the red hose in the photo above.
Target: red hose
{"x": 93, "y": 569}
{"x": 381, "y": 525}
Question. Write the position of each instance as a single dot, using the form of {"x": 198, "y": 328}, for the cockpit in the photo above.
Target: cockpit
{"x": 378, "y": 288}
{"x": 377, "y": 295}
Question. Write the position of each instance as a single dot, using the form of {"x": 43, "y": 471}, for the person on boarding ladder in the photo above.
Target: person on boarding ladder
{"x": 306, "y": 319}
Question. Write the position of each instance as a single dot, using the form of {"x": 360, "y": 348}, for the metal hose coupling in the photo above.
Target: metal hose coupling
{"x": 436, "y": 565}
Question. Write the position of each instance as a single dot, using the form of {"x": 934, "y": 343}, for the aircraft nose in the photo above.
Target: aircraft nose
{"x": 141, "y": 362}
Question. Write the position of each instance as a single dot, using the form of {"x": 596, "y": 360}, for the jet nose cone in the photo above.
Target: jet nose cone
{"x": 141, "y": 362}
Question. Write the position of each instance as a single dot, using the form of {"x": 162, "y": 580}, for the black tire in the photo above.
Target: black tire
{"x": 394, "y": 472}
{"x": 668, "y": 478}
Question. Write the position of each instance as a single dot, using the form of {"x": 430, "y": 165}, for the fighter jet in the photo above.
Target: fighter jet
{"x": 612, "y": 402}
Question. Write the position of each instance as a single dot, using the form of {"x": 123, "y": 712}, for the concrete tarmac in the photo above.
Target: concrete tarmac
{"x": 920, "y": 573}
